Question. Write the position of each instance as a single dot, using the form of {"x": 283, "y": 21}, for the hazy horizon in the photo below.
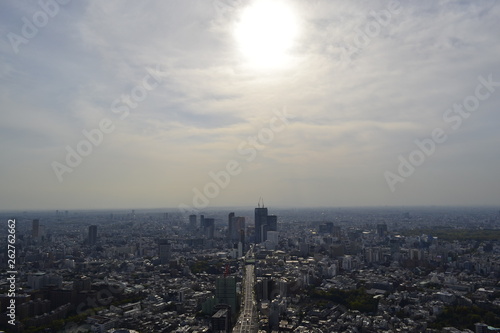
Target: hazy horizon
{"x": 236, "y": 209}
{"x": 201, "y": 104}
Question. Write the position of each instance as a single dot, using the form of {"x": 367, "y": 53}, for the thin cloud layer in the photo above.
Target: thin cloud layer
{"x": 183, "y": 102}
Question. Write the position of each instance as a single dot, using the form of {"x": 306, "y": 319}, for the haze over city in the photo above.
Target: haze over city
{"x": 123, "y": 104}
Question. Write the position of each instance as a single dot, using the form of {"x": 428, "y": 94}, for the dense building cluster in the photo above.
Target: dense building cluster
{"x": 309, "y": 270}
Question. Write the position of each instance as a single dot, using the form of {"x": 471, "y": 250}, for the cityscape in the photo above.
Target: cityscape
{"x": 427, "y": 269}
{"x": 249, "y": 166}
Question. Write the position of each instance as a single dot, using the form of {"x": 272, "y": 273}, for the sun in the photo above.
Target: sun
{"x": 266, "y": 32}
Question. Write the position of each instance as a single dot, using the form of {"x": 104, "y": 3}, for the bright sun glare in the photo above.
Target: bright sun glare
{"x": 266, "y": 33}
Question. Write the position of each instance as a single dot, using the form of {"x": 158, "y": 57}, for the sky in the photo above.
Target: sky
{"x": 206, "y": 103}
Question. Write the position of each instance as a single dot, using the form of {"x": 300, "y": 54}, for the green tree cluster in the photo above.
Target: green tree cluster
{"x": 463, "y": 317}
{"x": 356, "y": 299}
{"x": 202, "y": 266}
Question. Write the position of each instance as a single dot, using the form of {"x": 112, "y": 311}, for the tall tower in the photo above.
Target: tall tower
{"x": 237, "y": 225}
{"x": 35, "y": 230}
{"x": 260, "y": 221}
{"x": 92, "y": 235}
{"x": 230, "y": 225}
{"x": 192, "y": 222}
{"x": 382, "y": 229}
{"x": 272, "y": 222}
{"x": 164, "y": 249}
{"x": 209, "y": 227}
{"x": 225, "y": 292}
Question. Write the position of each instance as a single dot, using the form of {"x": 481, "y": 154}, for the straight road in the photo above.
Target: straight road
{"x": 247, "y": 321}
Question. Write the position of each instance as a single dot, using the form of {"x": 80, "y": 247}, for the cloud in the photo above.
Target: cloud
{"x": 353, "y": 116}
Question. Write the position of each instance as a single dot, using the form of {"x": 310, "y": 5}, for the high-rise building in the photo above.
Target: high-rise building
{"x": 209, "y": 227}
{"x": 35, "y": 230}
{"x": 382, "y": 229}
{"x": 221, "y": 320}
{"x": 192, "y": 222}
{"x": 336, "y": 231}
{"x": 260, "y": 221}
{"x": 225, "y": 292}
{"x": 230, "y": 225}
{"x": 236, "y": 228}
{"x": 242, "y": 236}
{"x": 264, "y": 223}
{"x": 164, "y": 251}
{"x": 274, "y": 314}
{"x": 92, "y": 235}
{"x": 272, "y": 222}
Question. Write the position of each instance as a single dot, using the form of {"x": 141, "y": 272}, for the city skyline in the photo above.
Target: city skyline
{"x": 205, "y": 104}
{"x": 321, "y": 271}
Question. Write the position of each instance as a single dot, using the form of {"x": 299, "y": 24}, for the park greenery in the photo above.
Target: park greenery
{"x": 463, "y": 317}
{"x": 356, "y": 299}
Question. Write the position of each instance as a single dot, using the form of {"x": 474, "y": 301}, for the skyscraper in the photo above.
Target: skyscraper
{"x": 230, "y": 225}
{"x": 264, "y": 223}
{"x": 209, "y": 227}
{"x": 35, "y": 230}
{"x": 382, "y": 229}
{"x": 260, "y": 221}
{"x": 272, "y": 222}
{"x": 92, "y": 235}
{"x": 225, "y": 292}
{"x": 192, "y": 222}
{"x": 236, "y": 227}
{"x": 164, "y": 251}
{"x": 336, "y": 231}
